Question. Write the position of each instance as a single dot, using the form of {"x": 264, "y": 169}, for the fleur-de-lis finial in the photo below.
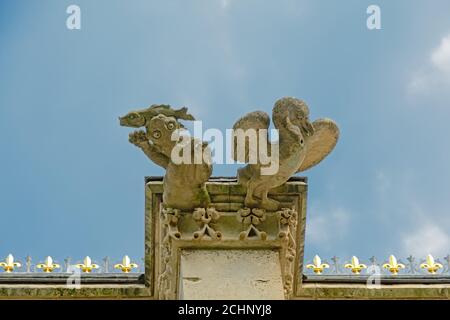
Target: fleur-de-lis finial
{"x": 126, "y": 266}
{"x": 317, "y": 266}
{"x": 431, "y": 266}
{"x": 447, "y": 259}
{"x": 393, "y": 266}
{"x": 9, "y": 265}
{"x": 48, "y": 265}
{"x": 28, "y": 264}
{"x": 87, "y": 266}
{"x": 335, "y": 264}
{"x": 355, "y": 266}
{"x": 106, "y": 264}
{"x": 412, "y": 266}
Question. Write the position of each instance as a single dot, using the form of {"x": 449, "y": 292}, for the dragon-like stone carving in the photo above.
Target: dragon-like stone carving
{"x": 301, "y": 145}
{"x": 140, "y": 118}
{"x": 184, "y": 183}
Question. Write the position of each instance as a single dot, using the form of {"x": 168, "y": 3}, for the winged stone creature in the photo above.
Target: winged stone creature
{"x": 301, "y": 145}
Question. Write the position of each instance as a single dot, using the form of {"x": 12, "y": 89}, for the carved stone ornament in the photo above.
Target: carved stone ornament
{"x": 301, "y": 145}
{"x": 251, "y": 218}
{"x": 287, "y": 226}
{"x": 206, "y": 218}
{"x": 260, "y": 216}
{"x": 213, "y": 229}
{"x": 184, "y": 181}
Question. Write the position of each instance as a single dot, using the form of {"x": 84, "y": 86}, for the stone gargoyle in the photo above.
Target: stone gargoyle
{"x": 301, "y": 145}
{"x": 184, "y": 182}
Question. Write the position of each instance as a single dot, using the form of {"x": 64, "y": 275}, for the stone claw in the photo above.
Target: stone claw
{"x": 138, "y": 138}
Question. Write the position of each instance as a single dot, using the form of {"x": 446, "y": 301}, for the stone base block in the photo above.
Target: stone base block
{"x": 230, "y": 274}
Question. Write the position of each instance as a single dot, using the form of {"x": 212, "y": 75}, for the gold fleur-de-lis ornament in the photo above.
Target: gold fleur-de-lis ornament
{"x": 9, "y": 264}
{"x": 355, "y": 266}
{"x": 126, "y": 266}
{"x": 393, "y": 266}
{"x": 317, "y": 266}
{"x": 87, "y": 266}
{"x": 430, "y": 265}
{"x": 48, "y": 266}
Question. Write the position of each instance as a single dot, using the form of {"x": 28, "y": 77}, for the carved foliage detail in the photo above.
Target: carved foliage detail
{"x": 206, "y": 219}
{"x": 288, "y": 219}
{"x": 169, "y": 221}
{"x": 252, "y": 218}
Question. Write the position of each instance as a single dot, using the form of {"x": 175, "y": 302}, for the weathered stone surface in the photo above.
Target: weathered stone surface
{"x": 58, "y": 291}
{"x": 306, "y": 291}
{"x": 230, "y": 274}
{"x": 225, "y": 228}
{"x": 361, "y": 291}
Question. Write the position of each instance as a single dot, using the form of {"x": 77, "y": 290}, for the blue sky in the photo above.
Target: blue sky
{"x": 71, "y": 184}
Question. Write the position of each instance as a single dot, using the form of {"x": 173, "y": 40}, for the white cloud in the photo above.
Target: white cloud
{"x": 327, "y": 225}
{"x": 440, "y": 57}
{"x": 436, "y": 75}
{"x": 427, "y": 234}
{"x": 426, "y": 239}
{"x": 414, "y": 223}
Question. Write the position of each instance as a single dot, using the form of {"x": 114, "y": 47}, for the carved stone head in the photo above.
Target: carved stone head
{"x": 160, "y": 131}
{"x": 296, "y": 110}
{"x": 132, "y": 119}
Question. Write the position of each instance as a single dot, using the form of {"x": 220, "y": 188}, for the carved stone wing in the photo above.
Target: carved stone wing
{"x": 254, "y": 120}
{"x": 321, "y": 143}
